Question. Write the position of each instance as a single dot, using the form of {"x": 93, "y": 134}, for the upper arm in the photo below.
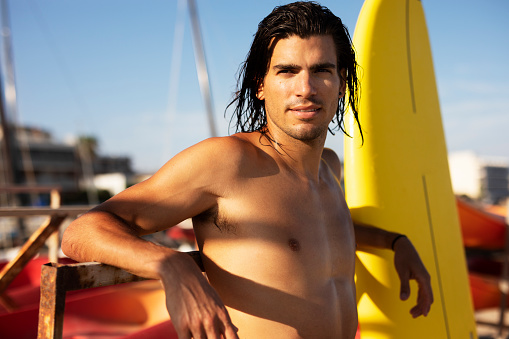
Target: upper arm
{"x": 332, "y": 160}
{"x": 187, "y": 185}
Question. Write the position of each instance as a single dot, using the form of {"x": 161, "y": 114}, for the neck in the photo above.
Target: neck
{"x": 301, "y": 156}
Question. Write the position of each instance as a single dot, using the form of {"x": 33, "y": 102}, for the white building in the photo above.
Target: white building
{"x": 480, "y": 178}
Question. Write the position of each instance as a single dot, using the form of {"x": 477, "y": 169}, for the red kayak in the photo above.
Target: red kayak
{"x": 479, "y": 228}
{"x": 112, "y": 311}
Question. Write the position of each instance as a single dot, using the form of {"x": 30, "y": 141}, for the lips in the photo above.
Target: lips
{"x": 305, "y": 112}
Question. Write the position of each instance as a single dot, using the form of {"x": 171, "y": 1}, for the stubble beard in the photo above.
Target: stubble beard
{"x": 310, "y": 135}
{"x": 307, "y": 134}
{"x": 303, "y": 132}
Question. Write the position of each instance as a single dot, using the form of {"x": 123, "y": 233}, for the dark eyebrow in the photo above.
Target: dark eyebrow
{"x": 286, "y": 67}
{"x": 326, "y": 65}
{"x": 292, "y": 67}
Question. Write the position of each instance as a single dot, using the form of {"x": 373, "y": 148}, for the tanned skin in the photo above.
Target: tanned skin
{"x": 272, "y": 225}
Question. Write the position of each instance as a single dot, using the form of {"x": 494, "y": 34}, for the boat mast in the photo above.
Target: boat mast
{"x": 201, "y": 66}
{"x": 16, "y": 143}
{"x": 9, "y": 147}
{"x": 7, "y": 143}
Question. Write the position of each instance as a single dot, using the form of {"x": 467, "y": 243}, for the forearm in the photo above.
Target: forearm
{"x": 406, "y": 260}
{"x": 370, "y": 236}
{"x": 191, "y": 301}
{"x": 100, "y": 236}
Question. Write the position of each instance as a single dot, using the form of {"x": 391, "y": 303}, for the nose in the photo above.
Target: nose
{"x": 305, "y": 85}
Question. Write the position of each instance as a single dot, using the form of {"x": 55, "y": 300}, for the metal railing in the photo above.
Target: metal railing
{"x": 48, "y": 231}
{"x": 57, "y": 279}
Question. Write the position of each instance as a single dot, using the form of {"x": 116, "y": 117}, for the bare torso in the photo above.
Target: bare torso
{"x": 278, "y": 246}
{"x": 280, "y": 251}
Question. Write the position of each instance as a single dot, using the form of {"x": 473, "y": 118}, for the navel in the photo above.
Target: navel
{"x": 294, "y": 244}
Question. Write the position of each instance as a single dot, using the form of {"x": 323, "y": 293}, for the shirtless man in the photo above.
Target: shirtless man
{"x": 271, "y": 222}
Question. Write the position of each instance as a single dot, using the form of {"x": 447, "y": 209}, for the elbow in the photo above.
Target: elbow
{"x": 67, "y": 244}
{"x": 70, "y": 241}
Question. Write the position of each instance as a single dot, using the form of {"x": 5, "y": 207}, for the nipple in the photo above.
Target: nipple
{"x": 294, "y": 244}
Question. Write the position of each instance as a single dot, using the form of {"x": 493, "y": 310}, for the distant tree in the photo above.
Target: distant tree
{"x": 88, "y": 144}
{"x": 87, "y": 149}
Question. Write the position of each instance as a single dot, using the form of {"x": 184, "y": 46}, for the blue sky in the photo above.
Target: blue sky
{"x": 103, "y": 68}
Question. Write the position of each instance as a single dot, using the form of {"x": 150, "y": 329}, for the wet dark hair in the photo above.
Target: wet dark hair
{"x": 302, "y": 19}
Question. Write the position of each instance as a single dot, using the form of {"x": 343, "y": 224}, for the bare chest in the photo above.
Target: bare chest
{"x": 272, "y": 246}
{"x": 299, "y": 230}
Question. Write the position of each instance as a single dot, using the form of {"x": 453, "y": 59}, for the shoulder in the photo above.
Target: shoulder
{"x": 219, "y": 157}
{"x": 331, "y": 160}
{"x": 226, "y": 151}
{"x": 217, "y": 147}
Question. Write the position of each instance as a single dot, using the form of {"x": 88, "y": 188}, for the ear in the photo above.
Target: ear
{"x": 342, "y": 86}
{"x": 259, "y": 94}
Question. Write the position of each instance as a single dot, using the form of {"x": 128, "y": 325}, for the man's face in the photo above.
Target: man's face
{"x": 302, "y": 86}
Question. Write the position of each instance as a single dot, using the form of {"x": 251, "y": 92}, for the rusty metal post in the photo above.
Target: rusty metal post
{"x": 57, "y": 279}
{"x": 29, "y": 250}
{"x": 52, "y": 304}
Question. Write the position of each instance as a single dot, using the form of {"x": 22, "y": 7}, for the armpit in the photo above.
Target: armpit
{"x": 212, "y": 216}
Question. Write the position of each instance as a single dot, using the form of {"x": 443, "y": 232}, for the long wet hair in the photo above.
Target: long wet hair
{"x": 302, "y": 19}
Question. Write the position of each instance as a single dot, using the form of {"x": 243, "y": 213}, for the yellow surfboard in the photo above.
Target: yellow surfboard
{"x": 399, "y": 179}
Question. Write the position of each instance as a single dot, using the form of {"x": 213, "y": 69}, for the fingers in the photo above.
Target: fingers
{"x": 195, "y": 308}
{"x": 221, "y": 327}
{"x": 416, "y": 311}
{"x": 199, "y": 333}
{"x": 422, "y": 308}
{"x": 404, "y": 291}
{"x": 231, "y": 332}
{"x": 410, "y": 267}
{"x": 228, "y": 332}
{"x": 206, "y": 325}
{"x": 424, "y": 297}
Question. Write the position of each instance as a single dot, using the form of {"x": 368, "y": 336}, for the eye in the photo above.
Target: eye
{"x": 323, "y": 70}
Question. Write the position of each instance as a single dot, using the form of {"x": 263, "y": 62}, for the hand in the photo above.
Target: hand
{"x": 409, "y": 266}
{"x": 195, "y": 308}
